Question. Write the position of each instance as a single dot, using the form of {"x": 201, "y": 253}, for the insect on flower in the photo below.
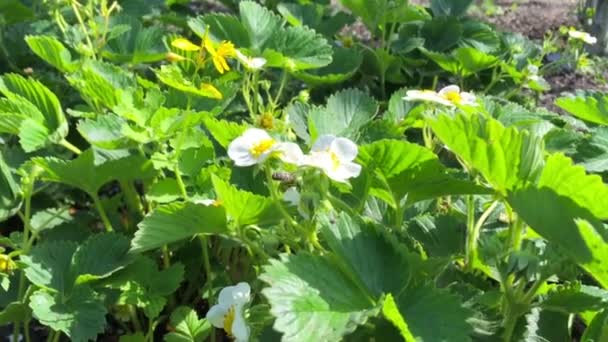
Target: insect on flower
{"x": 448, "y": 96}
{"x": 227, "y": 314}
{"x": 335, "y": 157}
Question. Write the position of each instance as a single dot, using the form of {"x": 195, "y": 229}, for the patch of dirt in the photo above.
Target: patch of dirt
{"x": 569, "y": 82}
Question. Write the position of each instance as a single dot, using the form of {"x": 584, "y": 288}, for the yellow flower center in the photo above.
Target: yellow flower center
{"x": 6, "y": 264}
{"x": 259, "y": 148}
{"x": 335, "y": 161}
{"x": 453, "y": 96}
{"x": 228, "y": 320}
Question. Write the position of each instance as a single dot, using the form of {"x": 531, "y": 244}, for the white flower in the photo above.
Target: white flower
{"x": 448, "y": 96}
{"x": 227, "y": 314}
{"x": 251, "y": 63}
{"x": 335, "y": 157}
{"x": 254, "y": 146}
{"x": 208, "y": 202}
{"x": 584, "y": 36}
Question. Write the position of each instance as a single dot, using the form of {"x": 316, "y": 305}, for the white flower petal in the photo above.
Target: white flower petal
{"x": 344, "y": 172}
{"x": 290, "y": 153}
{"x": 239, "y": 151}
{"x": 449, "y": 89}
{"x": 241, "y": 293}
{"x": 292, "y": 196}
{"x": 257, "y": 63}
{"x": 205, "y": 202}
{"x": 240, "y": 330}
{"x": 216, "y": 315}
{"x": 256, "y": 134}
{"x": 323, "y": 143}
{"x": 468, "y": 99}
{"x": 344, "y": 149}
{"x": 426, "y": 95}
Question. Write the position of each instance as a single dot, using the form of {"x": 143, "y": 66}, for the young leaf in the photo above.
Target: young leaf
{"x": 298, "y": 48}
{"x": 52, "y": 51}
{"x": 80, "y": 316}
{"x": 344, "y": 115}
{"x": 178, "y": 221}
{"x": 312, "y": 299}
{"x": 374, "y": 259}
{"x": 245, "y": 207}
{"x": 187, "y": 326}
{"x": 137, "y": 45}
{"x": 224, "y": 131}
{"x": 261, "y": 24}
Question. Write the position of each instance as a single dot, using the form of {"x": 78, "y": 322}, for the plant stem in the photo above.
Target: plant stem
{"x": 102, "y": 212}
{"x": 206, "y": 262}
{"x": 474, "y": 236}
{"x": 510, "y": 323}
{"x": 132, "y": 198}
{"x": 516, "y": 233}
{"x": 471, "y": 244}
{"x": 83, "y": 27}
{"x": 134, "y": 318}
{"x": 70, "y": 147}
{"x": 284, "y": 78}
{"x": 277, "y": 197}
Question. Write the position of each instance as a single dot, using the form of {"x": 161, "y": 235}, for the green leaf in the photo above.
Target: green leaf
{"x": 298, "y": 48}
{"x": 13, "y": 11}
{"x": 45, "y": 121}
{"x": 506, "y": 157}
{"x": 221, "y": 27}
{"x": 312, "y": 299}
{"x": 84, "y": 174}
{"x": 52, "y": 51}
{"x": 423, "y": 304}
{"x": 441, "y": 34}
{"x": 544, "y": 325}
{"x": 479, "y": 36}
{"x": 244, "y": 207}
{"x": 187, "y": 326}
{"x": 569, "y": 180}
{"x": 464, "y": 61}
{"x": 374, "y": 259}
{"x": 598, "y": 329}
{"x": 398, "y": 168}
{"x": 49, "y": 265}
{"x": 105, "y": 132}
{"x": 588, "y": 106}
{"x": 80, "y": 316}
{"x": 49, "y": 218}
{"x": 178, "y": 221}
{"x": 392, "y": 314}
{"x": 100, "y": 256}
{"x": 454, "y": 8}
{"x": 261, "y": 24}
{"x": 344, "y": 115}
{"x": 136, "y": 45}
{"x": 224, "y": 131}
{"x": 575, "y": 298}
{"x": 14, "y": 312}
{"x": 172, "y": 76}
{"x": 344, "y": 65}
{"x": 10, "y": 194}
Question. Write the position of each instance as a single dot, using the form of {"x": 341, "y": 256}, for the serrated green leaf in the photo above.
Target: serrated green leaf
{"x": 479, "y": 36}
{"x": 49, "y": 218}
{"x": 575, "y": 298}
{"x": 408, "y": 169}
{"x": 81, "y": 316}
{"x": 506, "y": 157}
{"x": 589, "y": 106}
{"x": 172, "y": 76}
{"x": 392, "y": 314}
{"x": 224, "y": 131}
{"x": 105, "y": 132}
{"x": 312, "y": 299}
{"x": 344, "y": 115}
{"x": 10, "y": 194}
{"x": 52, "y": 51}
{"x": 454, "y": 8}
{"x": 136, "y": 45}
{"x": 84, "y": 174}
{"x": 261, "y": 24}
{"x": 99, "y": 256}
{"x": 345, "y": 63}
{"x": 221, "y": 27}
{"x": 49, "y": 264}
{"x": 375, "y": 260}
{"x": 441, "y": 34}
{"x": 244, "y": 207}
{"x": 423, "y": 304}
{"x": 187, "y": 326}
{"x": 178, "y": 221}
{"x": 298, "y": 48}
{"x": 568, "y": 180}
{"x": 544, "y": 325}
{"x": 464, "y": 61}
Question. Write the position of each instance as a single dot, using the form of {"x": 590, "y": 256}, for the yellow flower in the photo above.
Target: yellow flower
{"x": 185, "y": 44}
{"x": 218, "y": 55}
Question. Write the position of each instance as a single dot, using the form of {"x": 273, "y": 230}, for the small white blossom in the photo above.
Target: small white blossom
{"x": 335, "y": 157}
{"x": 290, "y": 153}
{"x": 584, "y": 36}
{"x": 448, "y": 96}
{"x": 251, "y": 63}
{"x": 227, "y": 314}
{"x": 253, "y": 147}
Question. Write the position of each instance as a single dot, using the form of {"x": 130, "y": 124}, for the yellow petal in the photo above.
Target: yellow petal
{"x": 185, "y": 44}
{"x": 173, "y": 57}
{"x": 211, "y": 91}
